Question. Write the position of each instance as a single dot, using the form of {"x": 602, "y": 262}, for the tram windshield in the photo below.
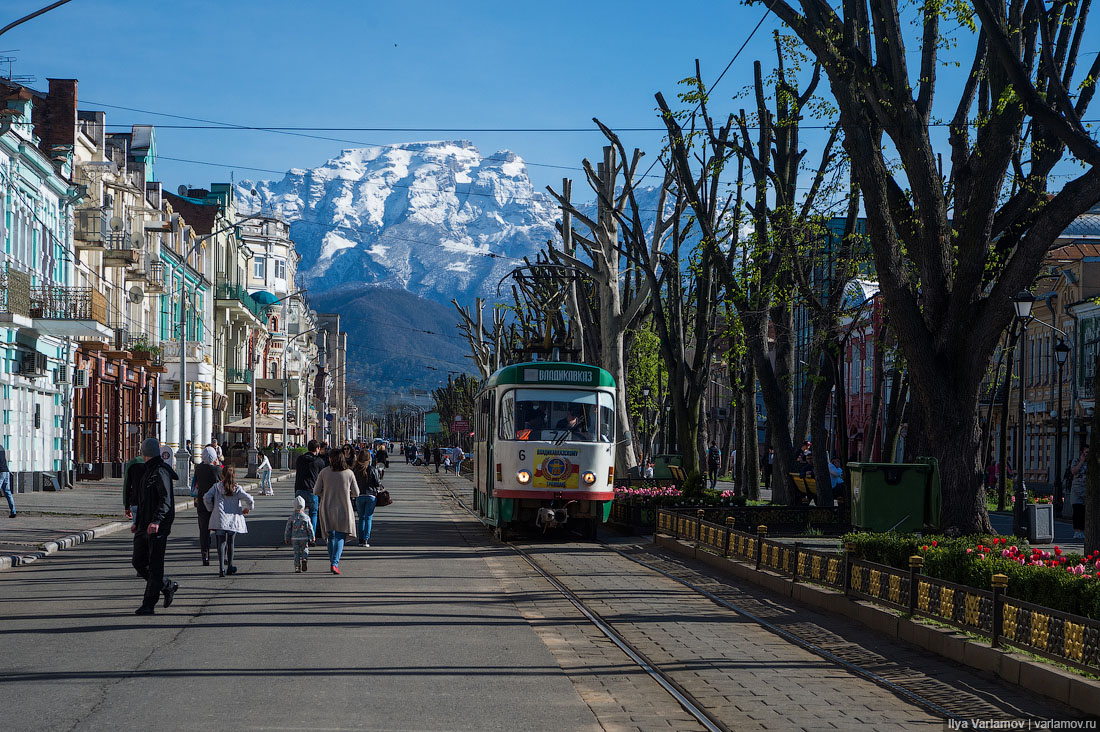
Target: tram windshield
{"x": 558, "y": 415}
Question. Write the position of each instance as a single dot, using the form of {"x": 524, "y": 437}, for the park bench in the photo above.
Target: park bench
{"x": 806, "y": 486}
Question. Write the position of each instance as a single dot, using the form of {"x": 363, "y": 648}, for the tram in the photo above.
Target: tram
{"x": 544, "y": 435}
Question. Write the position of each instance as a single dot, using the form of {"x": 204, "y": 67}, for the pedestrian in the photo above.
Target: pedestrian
{"x": 306, "y": 468}
{"x": 207, "y": 474}
{"x": 5, "y": 482}
{"x": 336, "y": 488}
{"x": 299, "y": 533}
{"x": 767, "y": 464}
{"x": 1078, "y": 489}
{"x": 218, "y": 450}
{"x": 264, "y": 470}
{"x": 132, "y": 474}
{"x": 382, "y": 457}
{"x": 427, "y": 454}
{"x": 228, "y": 504}
{"x": 437, "y": 457}
{"x": 156, "y": 510}
{"x": 369, "y": 482}
{"x": 714, "y": 459}
{"x": 458, "y": 456}
{"x": 325, "y": 457}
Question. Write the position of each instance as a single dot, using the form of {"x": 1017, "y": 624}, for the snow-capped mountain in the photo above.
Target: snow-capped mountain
{"x": 437, "y": 219}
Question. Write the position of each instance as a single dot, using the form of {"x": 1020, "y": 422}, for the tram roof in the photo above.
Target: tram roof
{"x": 550, "y": 372}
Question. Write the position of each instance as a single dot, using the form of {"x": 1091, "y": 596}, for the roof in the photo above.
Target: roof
{"x": 1074, "y": 252}
{"x": 263, "y": 297}
{"x": 199, "y": 216}
{"x": 548, "y": 372}
{"x": 1087, "y": 225}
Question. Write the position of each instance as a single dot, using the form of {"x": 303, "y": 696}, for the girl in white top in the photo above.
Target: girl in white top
{"x": 228, "y": 504}
{"x": 264, "y": 470}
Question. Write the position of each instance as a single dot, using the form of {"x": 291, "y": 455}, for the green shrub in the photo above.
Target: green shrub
{"x": 694, "y": 486}
{"x": 946, "y": 558}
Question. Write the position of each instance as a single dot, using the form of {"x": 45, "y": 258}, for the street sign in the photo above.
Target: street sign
{"x": 330, "y": 416}
{"x": 460, "y": 425}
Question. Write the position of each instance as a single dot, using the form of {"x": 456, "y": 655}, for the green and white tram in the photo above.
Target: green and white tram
{"x": 545, "y": 446}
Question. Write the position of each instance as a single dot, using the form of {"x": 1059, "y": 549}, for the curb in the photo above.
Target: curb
{"x": 9, "y": 561}
{"x": 1071, "y": 689}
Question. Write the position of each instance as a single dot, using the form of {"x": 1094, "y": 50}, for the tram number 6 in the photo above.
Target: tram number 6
{"x": 522, "y": 455}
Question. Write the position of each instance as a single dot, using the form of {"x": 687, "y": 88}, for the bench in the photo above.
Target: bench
{"x": 806, "y": 486}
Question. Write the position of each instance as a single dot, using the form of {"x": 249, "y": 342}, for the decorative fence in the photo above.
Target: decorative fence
{"x": 779, "y": 519}
{"x": 1069, "y": 639}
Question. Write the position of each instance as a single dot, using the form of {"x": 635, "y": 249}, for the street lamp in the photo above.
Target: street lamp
{"x": 1061, "y": 354}
{"x": 1023, "y": 303}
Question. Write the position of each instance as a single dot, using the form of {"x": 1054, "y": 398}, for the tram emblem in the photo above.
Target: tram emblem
{"x": 556, "y": 470}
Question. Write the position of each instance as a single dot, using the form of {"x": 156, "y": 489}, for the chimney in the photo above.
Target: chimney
{"x": 57, "y": 127}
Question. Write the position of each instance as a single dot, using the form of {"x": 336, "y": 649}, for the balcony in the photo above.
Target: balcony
{"x": 75, "y": 312}
{"x": 236, "y": 297}
{"x": 238, "y": 376}
{"x": 119, "y": 250}
{"x": 91, "y": 229}
{"x": 15, "y": 298}
{"x": 154, "y": 277}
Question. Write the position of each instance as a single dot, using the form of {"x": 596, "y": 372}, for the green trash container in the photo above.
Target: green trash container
{"x": 902, "y": 497}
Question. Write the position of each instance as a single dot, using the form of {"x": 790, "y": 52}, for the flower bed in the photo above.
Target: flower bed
{"x": 1055, "y": 579}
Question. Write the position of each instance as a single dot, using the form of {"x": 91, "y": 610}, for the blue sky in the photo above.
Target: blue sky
{"x": 380, "y": 64}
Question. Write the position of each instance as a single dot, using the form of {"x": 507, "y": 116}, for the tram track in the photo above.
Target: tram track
{"x": 683, "y": 697}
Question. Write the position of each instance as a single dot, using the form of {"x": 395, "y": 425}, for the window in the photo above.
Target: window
{"x": 557, "y": 414}
{"x": 280, "y": 269}
{"x": 259, "y": 268}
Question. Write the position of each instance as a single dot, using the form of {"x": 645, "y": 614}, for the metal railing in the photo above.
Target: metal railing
{"x": 227, "y": 291}
{"x": 238, "y": 376}
{"x": 1073, "y": 640}
{"x": 53, "y": 302}
{"x": 90, "y": 225}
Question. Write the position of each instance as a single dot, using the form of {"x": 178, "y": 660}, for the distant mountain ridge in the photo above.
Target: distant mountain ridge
{"x": 437, "y": 219}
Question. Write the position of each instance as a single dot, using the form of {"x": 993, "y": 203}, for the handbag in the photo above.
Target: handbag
{"x": 383, "y": 498}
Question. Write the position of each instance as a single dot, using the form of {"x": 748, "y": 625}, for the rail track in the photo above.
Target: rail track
{"x": 684, "y": 698}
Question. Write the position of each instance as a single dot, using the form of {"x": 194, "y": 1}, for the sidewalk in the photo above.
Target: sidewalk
{"x": 49, "y": 521}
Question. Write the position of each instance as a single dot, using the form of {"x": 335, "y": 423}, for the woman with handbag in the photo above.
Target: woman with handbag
{"x": 369, "y": 484}
{"x": 335, "y": 488}
{"x": 228, "y": 504}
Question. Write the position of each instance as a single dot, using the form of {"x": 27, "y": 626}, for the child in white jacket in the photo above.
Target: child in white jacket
{"x": 228, "y": 504}
{"x": 299, "y": 532}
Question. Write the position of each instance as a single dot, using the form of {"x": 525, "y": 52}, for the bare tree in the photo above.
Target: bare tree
{"x": 953, "y": 249}
{"x": 622, "y": 299}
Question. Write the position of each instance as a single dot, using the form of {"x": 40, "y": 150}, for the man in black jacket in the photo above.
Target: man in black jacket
{"x": 306, "y": 469}
{"x": 155, "y": 513}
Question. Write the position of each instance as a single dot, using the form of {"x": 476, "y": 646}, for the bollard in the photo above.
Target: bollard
{"x": 916, "y": 563}
{"x": 1000, "y": 583}
{"x": 729, "y": 534}
{"x": 849, "y": 551}
{"x": 761, "y": 532}
{"x": 699, "y": 514}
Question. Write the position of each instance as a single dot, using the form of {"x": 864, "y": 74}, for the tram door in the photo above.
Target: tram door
{"x": 488, "y": 407}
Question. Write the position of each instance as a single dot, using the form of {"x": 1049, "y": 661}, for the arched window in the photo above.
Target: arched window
{"x": 274, "y": 324}
{"x": 273, "y": 369}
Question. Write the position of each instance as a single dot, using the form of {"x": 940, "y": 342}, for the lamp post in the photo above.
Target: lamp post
{"x": 1023, "y": 303}
{"x": 1061, "y": 353}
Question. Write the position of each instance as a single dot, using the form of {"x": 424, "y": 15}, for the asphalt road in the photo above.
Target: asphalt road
{"x": 415, "y": 635}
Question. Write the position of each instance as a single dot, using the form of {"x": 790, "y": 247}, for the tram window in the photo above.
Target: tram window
{"x": 607, "y": 417}
{"x": 558, "y": 414}
{"x": 507, "y": 413}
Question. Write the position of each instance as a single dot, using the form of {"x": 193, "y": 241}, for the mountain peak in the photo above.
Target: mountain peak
{"x": 435, "y": 218}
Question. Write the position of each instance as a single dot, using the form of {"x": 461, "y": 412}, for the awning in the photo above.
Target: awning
{"x": 264, "y": 423}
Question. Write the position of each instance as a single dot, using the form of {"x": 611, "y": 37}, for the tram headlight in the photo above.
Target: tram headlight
{"x": 523, "y": 477}
{"x": 589, "y": 478}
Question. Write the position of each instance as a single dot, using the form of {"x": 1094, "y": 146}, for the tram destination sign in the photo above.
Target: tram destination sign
{"x": 575, "y": 375}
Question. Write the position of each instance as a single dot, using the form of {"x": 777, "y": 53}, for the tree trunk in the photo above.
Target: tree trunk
{"x": 1092, "y": 479}
{"x": 776, "y": 402}
{"x": 895, "y": 417}
{"x": 750, "y": 441}
{"x": 952, "y": 408}
{"x": 1002, "y": 474}
{"x": 612, "y": 359}
{"x": 819, "y": 404}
